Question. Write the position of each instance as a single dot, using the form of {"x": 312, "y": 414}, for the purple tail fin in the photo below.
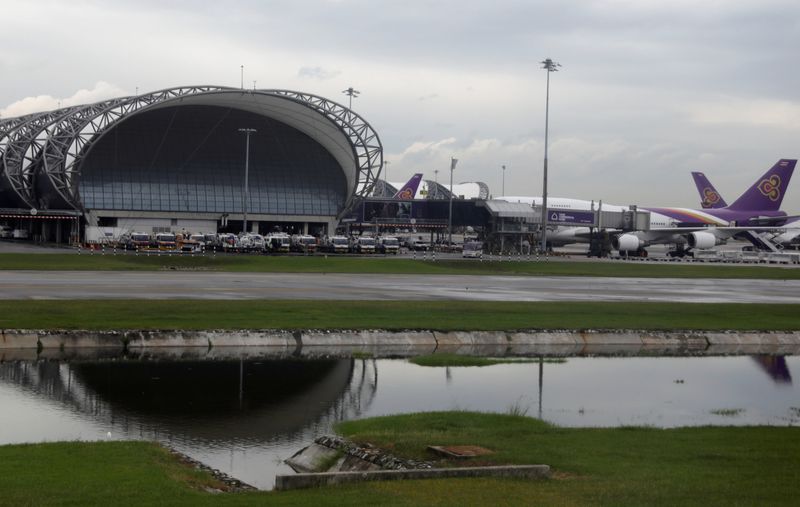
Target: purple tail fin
{"x": 409, "y": 190}
{"x": 767, "y": 192}
{"x": 709, "y": 197}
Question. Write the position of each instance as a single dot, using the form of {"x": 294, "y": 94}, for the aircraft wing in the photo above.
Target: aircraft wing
{"x": 766, "y": 221}
{"x": 700, "y": 237}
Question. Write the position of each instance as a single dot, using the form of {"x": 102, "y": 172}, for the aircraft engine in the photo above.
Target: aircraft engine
{"x": 627, "y": 243}
{"x": 703, "y": 240}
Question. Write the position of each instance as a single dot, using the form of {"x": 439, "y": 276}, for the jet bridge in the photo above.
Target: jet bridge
{"x": 518, "y": 225}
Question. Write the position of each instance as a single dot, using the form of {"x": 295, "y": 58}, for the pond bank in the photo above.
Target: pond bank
{"x": 395, "y": 342}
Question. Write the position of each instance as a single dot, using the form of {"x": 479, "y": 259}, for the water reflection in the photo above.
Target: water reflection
{"x": 245, "y": 415}
{"x": 775, "y": 367}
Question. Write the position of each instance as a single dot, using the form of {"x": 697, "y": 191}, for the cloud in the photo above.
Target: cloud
{"x": 39, "y": 103}
{"x": 755, "y": 112}
{"x": 317, "y": 73}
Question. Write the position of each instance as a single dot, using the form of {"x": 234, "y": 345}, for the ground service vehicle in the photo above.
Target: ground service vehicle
{"x": 417, "y": 243}
{"x": 472, "y": 249}
{"x": 166, "y": 241}
{"x": 304, "y": 243}
{"x": 364, "y": 244}
{"x": 138, "y": 241}
{"x": 388, "y": 245}
{"x": 338, "y": 244}
{"x": 279, "y": 242}
{"x": 252, "y": 242}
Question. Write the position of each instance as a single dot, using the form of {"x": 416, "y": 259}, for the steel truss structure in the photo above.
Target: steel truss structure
{"x": 41, "y": 154}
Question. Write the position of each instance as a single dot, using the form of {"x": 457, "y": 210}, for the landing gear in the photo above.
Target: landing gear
{"x": 641, "y": 252}
{"x": 681, "y": 252}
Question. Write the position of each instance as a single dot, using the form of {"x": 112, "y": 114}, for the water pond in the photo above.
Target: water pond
{"x": 244, "y": 416}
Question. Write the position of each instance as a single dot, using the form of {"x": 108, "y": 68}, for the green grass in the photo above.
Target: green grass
{"x": 455, "y": 360}
{"x": 616, "y": 466}
{"x": 391, "y": 315}
{"x": 380, "y": 265}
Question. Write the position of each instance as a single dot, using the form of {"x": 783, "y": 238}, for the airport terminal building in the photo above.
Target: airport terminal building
{"x": 180, "y": 159}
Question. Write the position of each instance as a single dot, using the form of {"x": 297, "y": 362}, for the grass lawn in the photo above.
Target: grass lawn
{"x": 621, "y": 466}
{"x": 616, "y": 466}
{"x": 391, "y": 315}
{"x": 381, "y": 265}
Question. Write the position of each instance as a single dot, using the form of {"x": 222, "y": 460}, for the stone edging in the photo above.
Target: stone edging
{"x": 232, "y": 484}
{"x": 371, "y": 454}
{"x": 128, "y": 340}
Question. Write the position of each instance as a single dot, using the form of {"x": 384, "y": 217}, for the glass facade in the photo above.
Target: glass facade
{"x": 192, "y": 158}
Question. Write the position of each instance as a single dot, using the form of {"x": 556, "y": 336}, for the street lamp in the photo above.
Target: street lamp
{"x": 351, "y": 92}
{"x": 551, "y": 66}
{"x": 245, "y": 190}
{"x": 504, "y": 180}
{"x": 453, "y": 162}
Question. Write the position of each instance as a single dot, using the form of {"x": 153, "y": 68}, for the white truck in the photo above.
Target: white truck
{"x": 388, "y": 245}
{"x": 338, "y": 244}
{"x": 472, "y": 250}
{"x": 304, "y": 243}
{"x": 364, "y": 245}
{"x": 279, "y": 242}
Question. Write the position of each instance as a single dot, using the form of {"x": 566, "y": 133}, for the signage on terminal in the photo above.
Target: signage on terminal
{"x": 572, "y": 217}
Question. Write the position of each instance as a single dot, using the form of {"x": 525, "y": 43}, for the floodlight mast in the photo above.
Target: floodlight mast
{"x": 351, "y": 92}
{"x": 453, "y": 162}
{"x": 551, "y": 66}
{"x": 246, "y": 190}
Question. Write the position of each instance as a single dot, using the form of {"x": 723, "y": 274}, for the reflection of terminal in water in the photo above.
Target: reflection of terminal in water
{"x": 206, "y": 400}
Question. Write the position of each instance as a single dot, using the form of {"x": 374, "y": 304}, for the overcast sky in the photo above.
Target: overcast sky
{"x": 649, "y": 89}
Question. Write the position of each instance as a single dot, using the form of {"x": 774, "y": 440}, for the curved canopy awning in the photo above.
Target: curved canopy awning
{"x": 51, "y": 146}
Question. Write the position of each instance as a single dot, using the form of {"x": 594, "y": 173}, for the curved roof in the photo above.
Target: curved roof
{"x": 430, "y": 189}
{"x": 50, "y": 146}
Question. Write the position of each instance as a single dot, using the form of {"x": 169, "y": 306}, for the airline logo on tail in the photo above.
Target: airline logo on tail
{"x": 409, "y": 190}
{"x": 771, "y": 187}
{"x": 710, "y": 197}
{"x": 405, "y": 194}
{"x": 767, "y": 192}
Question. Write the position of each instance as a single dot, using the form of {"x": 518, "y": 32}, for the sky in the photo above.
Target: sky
{"x": 648, "y": 91}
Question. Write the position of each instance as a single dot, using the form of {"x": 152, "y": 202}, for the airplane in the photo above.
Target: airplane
{"x": 756, "y": 210}
{"x": 711, "y": 198}
{"x": 409, "y": 190}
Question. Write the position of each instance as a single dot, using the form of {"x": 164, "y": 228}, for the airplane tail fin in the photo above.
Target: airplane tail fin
{"x": 409, "y": 190}
{"x": 709, "y": 197}
{"x": 767, "y": 192}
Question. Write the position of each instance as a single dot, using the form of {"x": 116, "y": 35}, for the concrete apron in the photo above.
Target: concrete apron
{"x": 478, "y": 342}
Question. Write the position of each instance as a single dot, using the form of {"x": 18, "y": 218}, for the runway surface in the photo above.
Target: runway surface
{"x": 215, "y": 285}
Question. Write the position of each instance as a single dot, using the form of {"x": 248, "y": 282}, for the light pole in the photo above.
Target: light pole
{"x": 245, "y": 190}
{"x": 386, "y": 170}
{"x": 453, "y": 162}
{"x": 504, "y": 179}
{"x": 551, "y": 66}
{"x": 351, "y": 92}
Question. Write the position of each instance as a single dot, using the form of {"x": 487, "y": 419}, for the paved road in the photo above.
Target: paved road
{"x": 202, "y": 285}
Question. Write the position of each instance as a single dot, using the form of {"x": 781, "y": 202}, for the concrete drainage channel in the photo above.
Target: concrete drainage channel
{"x": 333, "y": 460}
{"x": 294, "y": 342}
